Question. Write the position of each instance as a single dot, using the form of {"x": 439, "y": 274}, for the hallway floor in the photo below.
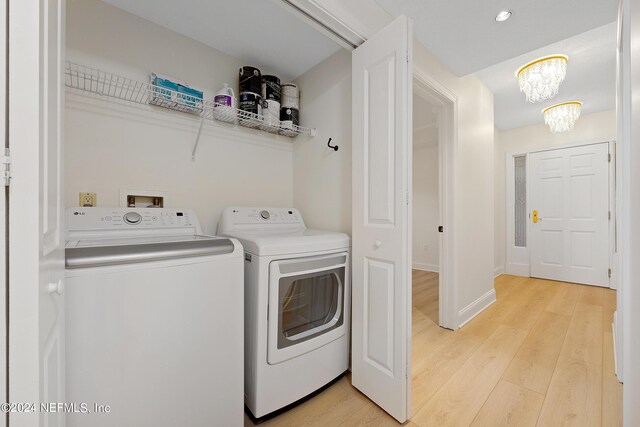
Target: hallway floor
{"x": 541, "y": 355}
{"x": 425, "y": 294}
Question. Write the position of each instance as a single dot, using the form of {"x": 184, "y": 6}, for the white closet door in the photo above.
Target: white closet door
{"x": 381, "y": 340}
{"x": 3, "y": 205}
{"x": 36, "y": 227}
{"x": 570, "y": 192}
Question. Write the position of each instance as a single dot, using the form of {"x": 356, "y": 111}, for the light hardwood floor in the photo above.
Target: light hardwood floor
{"x": 425, "y": 294}
{"x": 542, "y": 355}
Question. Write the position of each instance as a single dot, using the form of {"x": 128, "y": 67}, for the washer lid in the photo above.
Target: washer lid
{"x": 293, "y": 242}
{"x": 138, "y": 240}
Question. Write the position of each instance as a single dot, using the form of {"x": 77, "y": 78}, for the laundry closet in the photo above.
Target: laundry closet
{"x": 116, "y": 148}
{"x": 153, "y": 119}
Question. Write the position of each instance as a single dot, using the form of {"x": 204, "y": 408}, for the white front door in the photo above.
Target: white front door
{"x": 36, "y": 229}
{"x": 569, "y": 206}
{"x": 382, "y": 91}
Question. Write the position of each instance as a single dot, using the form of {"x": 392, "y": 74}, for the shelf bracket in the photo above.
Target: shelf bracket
{"x": 195, "y": 145}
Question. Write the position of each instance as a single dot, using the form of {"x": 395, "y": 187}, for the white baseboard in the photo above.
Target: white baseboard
{"x": 615, "y": 347}
{"x": 425, "y": 267}
{"x": 516, "y": 269}
{"x": 476, "y": 307}
{"x": 498, "y": 271}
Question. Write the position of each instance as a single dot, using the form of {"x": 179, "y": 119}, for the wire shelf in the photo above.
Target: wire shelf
{"x": 92, "y": 80}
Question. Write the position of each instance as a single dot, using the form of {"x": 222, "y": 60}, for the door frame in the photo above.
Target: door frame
{"x": 4, "y": 336}
{"x": 433, "y": 91}
{"x": 514, "y": 263}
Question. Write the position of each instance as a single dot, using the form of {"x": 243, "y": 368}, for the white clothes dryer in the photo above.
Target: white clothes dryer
{"x": 297, "y": 305}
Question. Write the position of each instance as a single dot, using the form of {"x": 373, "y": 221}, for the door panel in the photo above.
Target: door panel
{"x": 381, "y": 248}
{"x": 378, "y": 315}
{"x": 570, "y": 191}
{"x": 51, "y": 199}
{"x": 36, "y": 228}
{"x": 379, "y": 91}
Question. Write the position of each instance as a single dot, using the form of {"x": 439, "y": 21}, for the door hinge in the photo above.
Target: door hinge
{"x": 6, "y": 167}
{"x": 406, "y": 198}
{"x": 609, "y": 157}
{"x": 609, "y": 215}
{"x": 609, "y": 273}
{"x": 440, "y": 229}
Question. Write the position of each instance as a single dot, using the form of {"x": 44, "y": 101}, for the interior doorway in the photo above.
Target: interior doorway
{"x": 432, "y": 233}
{"x": 426, "y": 209}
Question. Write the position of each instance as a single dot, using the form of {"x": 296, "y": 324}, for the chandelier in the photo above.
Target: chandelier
{"x": 541, "y": 79}
{"x": 562, "y": 117}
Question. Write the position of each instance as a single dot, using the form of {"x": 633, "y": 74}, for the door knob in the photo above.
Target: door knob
{"x": 377, "y": 244}
{"x": 56, "y": 287}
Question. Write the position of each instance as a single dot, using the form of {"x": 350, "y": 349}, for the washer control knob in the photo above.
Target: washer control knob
{"x": 265, "y": 214}
{"x": 132, "y": 217}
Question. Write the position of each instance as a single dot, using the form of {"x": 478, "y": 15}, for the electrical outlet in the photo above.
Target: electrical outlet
{"x": 88, "y": 200}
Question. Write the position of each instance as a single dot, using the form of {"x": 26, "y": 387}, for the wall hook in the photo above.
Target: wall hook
{"x": 335, "y": 147}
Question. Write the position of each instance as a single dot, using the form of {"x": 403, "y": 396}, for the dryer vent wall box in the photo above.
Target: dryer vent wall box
{"x": 143, "y": 198}
{"x": 154, "y": 319}
{"x": 297, "y": 291}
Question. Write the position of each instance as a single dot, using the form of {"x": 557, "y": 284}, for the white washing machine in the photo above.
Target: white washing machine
{"x": 154, "y": 320}
{"x": 297, "y": 305}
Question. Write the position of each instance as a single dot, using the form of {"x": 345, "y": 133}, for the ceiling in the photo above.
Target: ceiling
{"x": 258, "y": 32}
{"x": 465, "y": 36}
{"x": 591, "y": 78}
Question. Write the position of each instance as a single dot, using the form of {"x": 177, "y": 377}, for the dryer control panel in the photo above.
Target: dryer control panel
{"x": 260, "y": 218}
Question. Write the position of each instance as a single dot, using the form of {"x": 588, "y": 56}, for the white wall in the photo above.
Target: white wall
{"x": 111, "y": 147}
{"x": 595, "y": 127}
{"x": 321, "y": 176}
{"x": 426, "y": 213}
{"x": 473, "y": 193}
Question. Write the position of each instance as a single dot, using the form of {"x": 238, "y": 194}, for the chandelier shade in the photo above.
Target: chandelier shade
{"x": 541, "y": 79}
{"x": 562, "y": 117}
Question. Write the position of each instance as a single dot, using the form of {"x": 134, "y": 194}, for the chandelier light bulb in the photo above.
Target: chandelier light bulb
{"x": 540, "y": 80}
{"x": 562, "y": 117}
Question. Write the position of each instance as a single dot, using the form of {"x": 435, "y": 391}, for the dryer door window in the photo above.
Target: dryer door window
{"x": 309, "y": 305}
{"x": 306, "y": 304}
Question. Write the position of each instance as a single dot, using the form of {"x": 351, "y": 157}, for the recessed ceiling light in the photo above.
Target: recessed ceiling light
{"x": 503, "y": 15}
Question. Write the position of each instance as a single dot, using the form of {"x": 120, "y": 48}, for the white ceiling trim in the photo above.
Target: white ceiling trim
{"x": 324, "y": 21}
